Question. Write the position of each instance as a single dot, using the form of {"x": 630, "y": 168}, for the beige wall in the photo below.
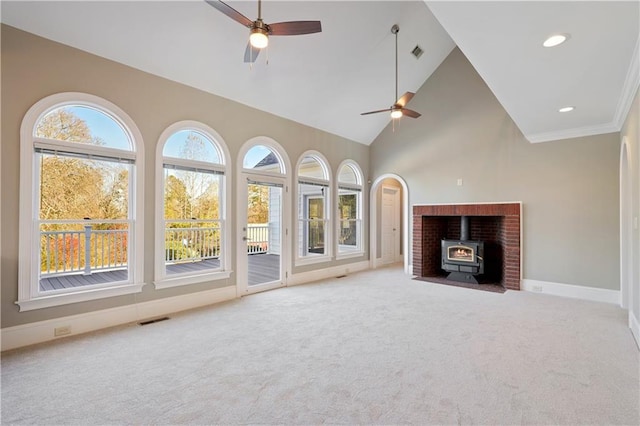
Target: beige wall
{"x": 631, "y": 133}
{"x": 33, "y": 68}
{"x": 569, "y": 188}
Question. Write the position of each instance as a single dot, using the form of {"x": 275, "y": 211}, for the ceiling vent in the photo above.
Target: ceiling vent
{"x": 417, "y": 51}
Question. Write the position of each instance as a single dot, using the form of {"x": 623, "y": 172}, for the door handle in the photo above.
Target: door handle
{"x": 246, "y": 239}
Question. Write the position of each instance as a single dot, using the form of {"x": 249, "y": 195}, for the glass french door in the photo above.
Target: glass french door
{"x": 262, "y": 235}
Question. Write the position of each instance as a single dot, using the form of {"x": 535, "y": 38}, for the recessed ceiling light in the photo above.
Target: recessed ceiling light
{"x": 566, "y": 109}
{"x": 555, "y": 40}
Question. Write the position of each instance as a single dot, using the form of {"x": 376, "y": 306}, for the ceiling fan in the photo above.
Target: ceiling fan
{"x": 398, "y": 110}
{"x": 260, "y": 30}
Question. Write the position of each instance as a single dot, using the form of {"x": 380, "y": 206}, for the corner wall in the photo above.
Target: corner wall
{"x": 569, "y": 189}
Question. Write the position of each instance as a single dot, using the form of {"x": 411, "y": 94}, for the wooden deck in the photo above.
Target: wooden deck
{"x": 79, "y": 280}
{"x": 180, "y": 268}
{"x": 262, "y": 268}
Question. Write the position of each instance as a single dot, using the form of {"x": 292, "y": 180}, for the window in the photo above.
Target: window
{"x": 349, "y": 209}
{"x": 79, "y": 167}
{"x": 313, "y": 209}
{"x": 264, "y": 160}
{"x": 191, "y": 246}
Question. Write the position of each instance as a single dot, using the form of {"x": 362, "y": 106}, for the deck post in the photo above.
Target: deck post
{"x": 87, "y": 250}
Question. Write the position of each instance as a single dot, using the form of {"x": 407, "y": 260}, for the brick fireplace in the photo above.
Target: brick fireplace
{"x": 498, "y": 225}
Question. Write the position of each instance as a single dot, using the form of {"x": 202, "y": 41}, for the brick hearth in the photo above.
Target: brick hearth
{"x": 496, "y": 224}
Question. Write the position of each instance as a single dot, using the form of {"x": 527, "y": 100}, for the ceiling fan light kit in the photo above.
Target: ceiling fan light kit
{"x": 398, "y": 109}
{"x": 259, "y": 38}
{"x": 259, "y": 31}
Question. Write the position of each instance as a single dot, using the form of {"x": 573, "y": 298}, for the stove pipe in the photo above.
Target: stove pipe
{"x": 464, "y": 228}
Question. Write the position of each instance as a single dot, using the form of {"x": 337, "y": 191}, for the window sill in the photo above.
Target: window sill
{"x": 191, "y": 279}
{"x": 312, "y": 260}
{"x": 349, "y": 255}
{"x": 77, "y": 297}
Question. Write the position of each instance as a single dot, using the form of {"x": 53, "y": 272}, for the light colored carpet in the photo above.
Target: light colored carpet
{"x": 372, "y": 348}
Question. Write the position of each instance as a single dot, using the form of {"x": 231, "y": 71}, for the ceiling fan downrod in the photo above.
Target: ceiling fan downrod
{"x": 395, "y": 30}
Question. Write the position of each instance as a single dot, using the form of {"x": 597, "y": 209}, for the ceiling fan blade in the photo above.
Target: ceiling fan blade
{"x": 251, "y": 53}
{"x": 404, "y": 99}
{"x": 295, "y": 28}
{"x": 410, "y": 113}
{"x": 230, "y": 12}
{"x": 375, "y": 112}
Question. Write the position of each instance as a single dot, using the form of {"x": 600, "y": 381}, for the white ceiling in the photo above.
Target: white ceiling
{"x": 503, "y": 41}
{"x": 326, "y": 80}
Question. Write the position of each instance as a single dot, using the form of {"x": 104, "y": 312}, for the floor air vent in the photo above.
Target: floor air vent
{"x": 147, "y": 322}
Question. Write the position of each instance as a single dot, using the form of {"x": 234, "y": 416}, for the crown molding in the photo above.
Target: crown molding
{"x": 631, "y": 84}
{"x": 577, "y": 132}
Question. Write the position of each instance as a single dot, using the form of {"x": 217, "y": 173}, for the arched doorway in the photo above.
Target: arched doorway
{"x": 389, "y": 222}
{"x": 626, "y": 228}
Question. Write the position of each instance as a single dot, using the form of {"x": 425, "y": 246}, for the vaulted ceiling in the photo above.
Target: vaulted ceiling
{"x": 326, "y": 80}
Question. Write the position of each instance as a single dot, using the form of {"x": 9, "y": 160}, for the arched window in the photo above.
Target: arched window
{"x": 313, "y": 208}
{"x": 349, "y": 209}
{"x": 263, "y": 159}
{"x": 80, "y": 200}
{"x": 191, "y": 226}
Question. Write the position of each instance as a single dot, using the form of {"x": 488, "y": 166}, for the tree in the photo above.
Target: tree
{"x": 114, "y": 204}
{"x": 177, "y": 204}
{"x": 207, "y": 205}
{"x": 68, "y": 188}
{"x": 77, "y": 188}
{"x": 258, "y": 207}
{"x": 199, "y": 192}
{"x": 63, "y": 125}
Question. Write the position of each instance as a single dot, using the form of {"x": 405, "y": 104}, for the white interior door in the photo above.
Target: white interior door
{"x": 390, "y": 225}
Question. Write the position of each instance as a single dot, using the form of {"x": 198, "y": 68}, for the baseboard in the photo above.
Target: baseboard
{"x": 634, "y": 325}
{"x": 573, "y": 291}
{"x": 321, "y": 274}
{"x": 43, "y": 331}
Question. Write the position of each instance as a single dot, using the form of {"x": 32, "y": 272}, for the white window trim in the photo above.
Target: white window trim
{"x": 161, "y": 280}
{"x": 29, "y": 297}
{"x": 329, "y": 200}
{"x": 359, "y": 186}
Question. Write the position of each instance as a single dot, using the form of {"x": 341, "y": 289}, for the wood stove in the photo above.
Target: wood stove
{"x": 463, "y": 258}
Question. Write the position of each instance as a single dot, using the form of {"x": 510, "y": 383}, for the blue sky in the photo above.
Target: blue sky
{"x": 110, "y": 131}
{"x": 103, "y": 127}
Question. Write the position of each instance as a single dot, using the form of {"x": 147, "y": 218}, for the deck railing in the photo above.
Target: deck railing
{"x": 192, "y": 241}
{"x": 87, "y": 250}
{"x": 257, "y": 238}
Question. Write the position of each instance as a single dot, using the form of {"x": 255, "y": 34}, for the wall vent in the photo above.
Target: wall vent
{"x": 417, "y": 51}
